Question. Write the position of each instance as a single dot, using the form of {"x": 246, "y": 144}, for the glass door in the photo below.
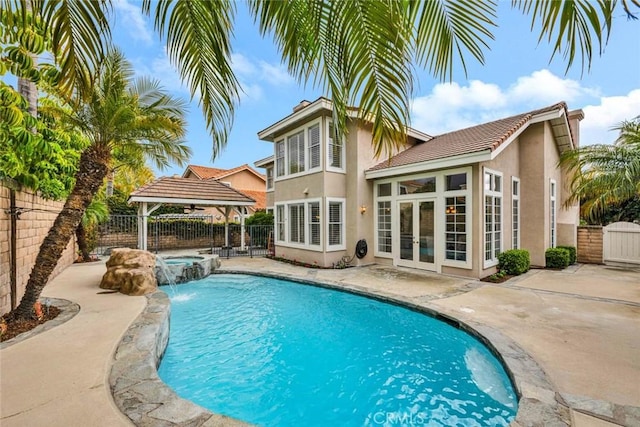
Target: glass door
{"x": 417, "y": 234}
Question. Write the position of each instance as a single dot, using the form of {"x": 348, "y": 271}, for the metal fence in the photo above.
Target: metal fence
{"x": 198, "y": 232}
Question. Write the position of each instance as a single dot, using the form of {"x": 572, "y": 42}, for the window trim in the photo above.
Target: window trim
{"x": 515, "y": 199}
{"x": 343, "y": 245}
{"x": 306, "y": 245}
{"x": 553, "y": 213}
{"x": 487, "y": 263}
{"x": 376, "y": 220}
{"x": 310, "y": 222}
{"x": 343, "y": 158}
{"x": 267, "y": 181}
{"x": 285, "y": 137}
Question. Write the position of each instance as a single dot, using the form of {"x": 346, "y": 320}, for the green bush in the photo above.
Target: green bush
{"x": 573, "y": 254}
{"x": 514, "y": 261}
{"x": 557, "y": 258}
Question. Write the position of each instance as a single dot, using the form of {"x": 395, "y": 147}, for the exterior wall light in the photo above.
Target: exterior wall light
{"x": 363, "y": 209}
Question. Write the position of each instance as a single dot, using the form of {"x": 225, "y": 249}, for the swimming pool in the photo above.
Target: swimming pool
{"x": 276, "y": 353}
{"x": 188, "y": 260}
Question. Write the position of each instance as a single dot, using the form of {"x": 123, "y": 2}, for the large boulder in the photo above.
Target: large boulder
{"x": 130, "y": 271}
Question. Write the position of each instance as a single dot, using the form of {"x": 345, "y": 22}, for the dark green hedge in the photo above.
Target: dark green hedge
{"x": 573, "y": 253}
{"x": 557, "y": 258}
{"x": 514, "y": 261}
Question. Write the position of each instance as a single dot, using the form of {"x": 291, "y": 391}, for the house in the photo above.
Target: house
{"x": 242, "y": 178}
{"x": 449, "y": 203}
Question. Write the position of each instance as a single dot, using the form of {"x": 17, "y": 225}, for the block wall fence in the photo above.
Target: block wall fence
{"x": 32, "y": 227}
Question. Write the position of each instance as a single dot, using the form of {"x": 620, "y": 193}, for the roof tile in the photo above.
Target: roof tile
{"x": 186, "y": 188}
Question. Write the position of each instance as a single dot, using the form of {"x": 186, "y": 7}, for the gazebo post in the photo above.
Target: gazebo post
{"x": 242, "y": 242}
{"x": 226, "y": 226}
{"x": 142, "y": 226}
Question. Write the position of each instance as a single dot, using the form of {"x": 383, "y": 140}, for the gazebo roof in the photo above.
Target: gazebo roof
{"x": 185, "y": 191}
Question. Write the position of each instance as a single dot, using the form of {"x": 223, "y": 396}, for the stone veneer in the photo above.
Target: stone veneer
{"x": 147, "y": 401}
{"x": 33, "y": 225}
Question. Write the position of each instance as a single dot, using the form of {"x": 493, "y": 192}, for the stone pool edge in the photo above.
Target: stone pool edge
{"x": 147, "y": 401}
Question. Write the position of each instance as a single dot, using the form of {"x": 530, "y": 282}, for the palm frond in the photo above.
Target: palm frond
{"x": 359, "y": 51}
{"x": 198, "y": 42}
{"x": 448, "y": 29}
{"x": 573, "y": 27}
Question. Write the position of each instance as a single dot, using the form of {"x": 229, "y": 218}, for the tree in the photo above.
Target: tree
{"x": 606, "y": 175}
{"x": 96, "y": 212}
{"x": 134, "y": 116}
{"x": 361, "y": 52}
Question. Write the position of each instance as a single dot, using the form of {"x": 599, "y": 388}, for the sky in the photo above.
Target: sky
{"x": 517, "y": 76}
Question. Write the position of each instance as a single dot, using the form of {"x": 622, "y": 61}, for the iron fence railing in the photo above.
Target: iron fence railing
{"x": 197, "y": 232}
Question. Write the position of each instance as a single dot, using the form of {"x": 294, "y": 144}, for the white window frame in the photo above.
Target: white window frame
{"x": 285, "y": 137}
{"x": 342, "y": 246}
{"x": 281, "y": 221}
{"x": 516, "y": 243}
{"x": 328, "y": 144}
{"x": 307, "y": 229}
{"x": 494, "y": 194}
{"x": 553, "y": 213}
{"x": 269, "y": 172}
{"x": 309, "y": 147}
{"x": 310, "y": 222}
{"x": 280, "y": 162}
{"x": 440, "y": 196}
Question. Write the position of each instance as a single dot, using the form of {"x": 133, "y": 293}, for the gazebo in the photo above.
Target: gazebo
{"x": 187, "y": 192}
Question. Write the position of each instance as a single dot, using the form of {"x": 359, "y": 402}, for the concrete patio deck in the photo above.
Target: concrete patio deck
{"x": 581, "y": 325}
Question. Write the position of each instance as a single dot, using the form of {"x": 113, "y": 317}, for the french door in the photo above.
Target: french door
{"x": 417, "y": 244}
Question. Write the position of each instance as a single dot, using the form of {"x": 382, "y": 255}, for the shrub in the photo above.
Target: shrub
{"x": 514, "y": 261}
{"x": 557, "y": 258}
{"x": 572, "y": 253}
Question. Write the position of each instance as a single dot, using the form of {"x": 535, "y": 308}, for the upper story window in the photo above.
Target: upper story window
{"x": 269, "y": 172}
{"x": 280, "y": 158}
{"x": 295, "y": 145}
{"x": 314, "y": 146}
{"x": 335, "y": 149}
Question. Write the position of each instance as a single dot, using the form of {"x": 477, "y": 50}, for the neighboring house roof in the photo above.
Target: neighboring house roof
{"x": 486, "y": 137}
{"x": 206, "y": 172}
{"x": 259, "y": 196}
{"x": 190, "y": 191}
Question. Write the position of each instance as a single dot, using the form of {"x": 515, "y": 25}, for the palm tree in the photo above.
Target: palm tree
{"x": 361, "y": 51}
{"x": 96, "y": 212}
{"x": 120, "y": 113}
{"x": 606, "y": 174}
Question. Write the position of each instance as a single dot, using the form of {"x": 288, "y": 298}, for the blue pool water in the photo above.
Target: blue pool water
{"x": 182, "y": 260}
{"x": 276, "y": 353}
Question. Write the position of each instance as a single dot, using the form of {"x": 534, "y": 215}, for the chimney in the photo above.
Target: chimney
{"x": 575, "y": 117}
{"x": 300, "y": 106}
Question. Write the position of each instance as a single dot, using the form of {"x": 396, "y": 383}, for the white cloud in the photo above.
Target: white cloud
{"x": 161, "y": 69}
{"x": 450, "y": 106}
{"x": 275, "y": 74}
{"x": 609, "y": 112}
{"x": 242, "y": 66}
{"x": 133, "y": 19}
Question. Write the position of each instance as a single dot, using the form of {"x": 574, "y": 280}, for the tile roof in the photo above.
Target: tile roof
{"x": 186, "y": 188}
{"x": 259, "y": 196}
{"x": 206, "y": 172}
{"x": 486, "y": 136}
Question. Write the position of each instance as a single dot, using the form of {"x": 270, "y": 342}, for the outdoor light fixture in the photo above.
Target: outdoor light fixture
{"x": 363, "y": 209}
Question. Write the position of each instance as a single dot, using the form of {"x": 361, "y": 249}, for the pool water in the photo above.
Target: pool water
{"x": 182, "y": 260}
{"x": 276, "y": 353}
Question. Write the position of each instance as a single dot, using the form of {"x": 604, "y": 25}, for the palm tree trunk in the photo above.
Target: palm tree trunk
{"x": 81, "y": 239}
{"x": 92, "y": 169}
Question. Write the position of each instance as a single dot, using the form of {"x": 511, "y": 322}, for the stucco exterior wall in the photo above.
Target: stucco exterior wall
{"x": 32, "y": 227}
{"x": 245, "y": 180}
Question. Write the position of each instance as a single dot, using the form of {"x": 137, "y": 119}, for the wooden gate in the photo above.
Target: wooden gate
{"x": 621, "y": 243}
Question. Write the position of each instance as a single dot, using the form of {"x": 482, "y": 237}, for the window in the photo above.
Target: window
{"x": 314, "y": 146}
{"x": 335, "y": 148}
{"x": 384, "y": 189}
{"x": 419, "y": 185}
{"x": 456, "y": 228}
{"x": 296, "y": 152}
{"x": 314, "y": 223}
{"x": 384, "y": 226}
{"x": 269, "y": 172}
{"x": 280, "y": 222}
{"x": 552, "y": 205}
{"x": 296, "y": 223}
{"x": 270, "y": 211}
{"x": 492, "y": 217}
{"x": 456, "y": 182}
{"x": 335, "y": 225}
{"x": 515, "y": 213}
{"x": 280, "y": 158}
